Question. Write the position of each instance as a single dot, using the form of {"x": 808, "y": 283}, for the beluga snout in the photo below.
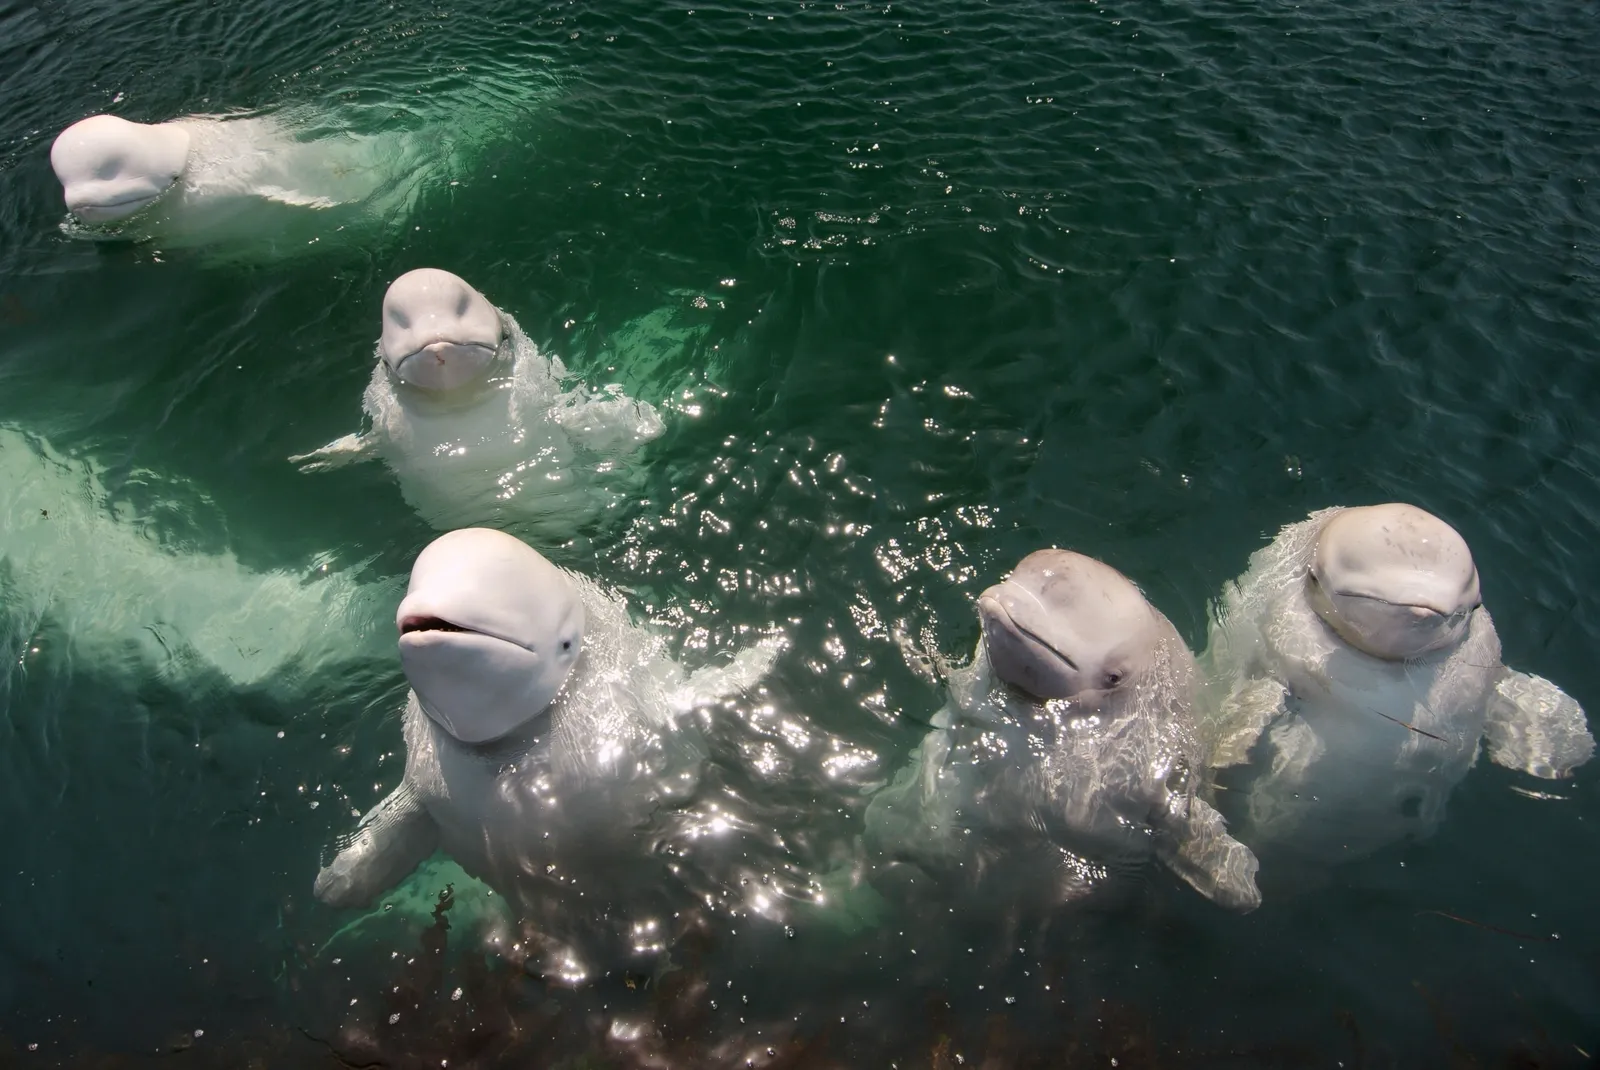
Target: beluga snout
{"x": 489, "y": 633}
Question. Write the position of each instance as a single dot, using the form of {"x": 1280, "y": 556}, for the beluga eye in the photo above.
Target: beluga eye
{"x": 1114, "y": 678}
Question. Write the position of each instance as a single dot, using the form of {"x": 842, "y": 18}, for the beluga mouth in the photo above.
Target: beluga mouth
{"x": 439, "y": 334}
{"x": 429, "y": 624}
{"x": 132, "y": 204}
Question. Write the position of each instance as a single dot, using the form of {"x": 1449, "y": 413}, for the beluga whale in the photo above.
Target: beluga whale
{"x": 274, "y": 182}
{"x": 1067, "y": 750}
{"x": 1354, "y": 672}
{"x": 479, "y": 426}
{"x": 547, "y": 740}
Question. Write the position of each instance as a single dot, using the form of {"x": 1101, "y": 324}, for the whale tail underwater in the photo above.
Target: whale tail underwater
{"x": 75, "y": 560}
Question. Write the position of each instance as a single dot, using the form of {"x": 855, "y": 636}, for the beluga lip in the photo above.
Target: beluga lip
{"x": 998, "y": 608}
{"x": 443, "y": 347}
{"x": 97, "y": 206}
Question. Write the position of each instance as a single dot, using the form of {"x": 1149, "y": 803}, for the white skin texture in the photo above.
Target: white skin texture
{"x": 1353, "y": 672}
{"x": 1067, "y": 743}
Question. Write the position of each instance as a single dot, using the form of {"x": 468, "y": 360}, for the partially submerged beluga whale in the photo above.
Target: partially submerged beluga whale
{"x": 1355, "y": 673}
{"x": 218, "y": 180}
{"x": 1067, "y": 746}
{"x": 479, "y": 425}
{"x": 546, "y": 736}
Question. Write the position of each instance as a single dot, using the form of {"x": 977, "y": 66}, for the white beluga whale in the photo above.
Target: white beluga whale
{"x": 79, "y": 566}
{"x": 546, "y": 735}
{"x": 249, "y": 181}
{"x": 1067, "y": 747}
{"x": 479, "y": 426}
{"x": 1354, "y": 671}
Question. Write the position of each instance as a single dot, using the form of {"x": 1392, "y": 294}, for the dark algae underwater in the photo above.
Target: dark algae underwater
{"x": 916, "y": 289}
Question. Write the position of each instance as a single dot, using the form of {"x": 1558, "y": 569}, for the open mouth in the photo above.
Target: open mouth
{"x": 429, "y": 624}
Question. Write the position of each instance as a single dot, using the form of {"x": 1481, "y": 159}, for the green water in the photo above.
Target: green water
{"x": 919, "y": 288}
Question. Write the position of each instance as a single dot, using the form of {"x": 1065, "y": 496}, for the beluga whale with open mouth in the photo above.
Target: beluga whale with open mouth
{"x": 1355, "y": 671}
{"x": 478, "y": 425}
{"x": 546, "y": 735}
{"x": 1067, "y": 749}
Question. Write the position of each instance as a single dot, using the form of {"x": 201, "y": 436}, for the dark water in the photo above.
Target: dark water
{"x": 926, "y": 286}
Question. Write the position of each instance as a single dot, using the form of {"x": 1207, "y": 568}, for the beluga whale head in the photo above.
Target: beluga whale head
{"x": 1065, "y": 626}
{"x": 1393, "y": 581}
{"x": 110, "y": 168}
{"x": 489, "y": 633}
{"x": 438, "y": 332}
